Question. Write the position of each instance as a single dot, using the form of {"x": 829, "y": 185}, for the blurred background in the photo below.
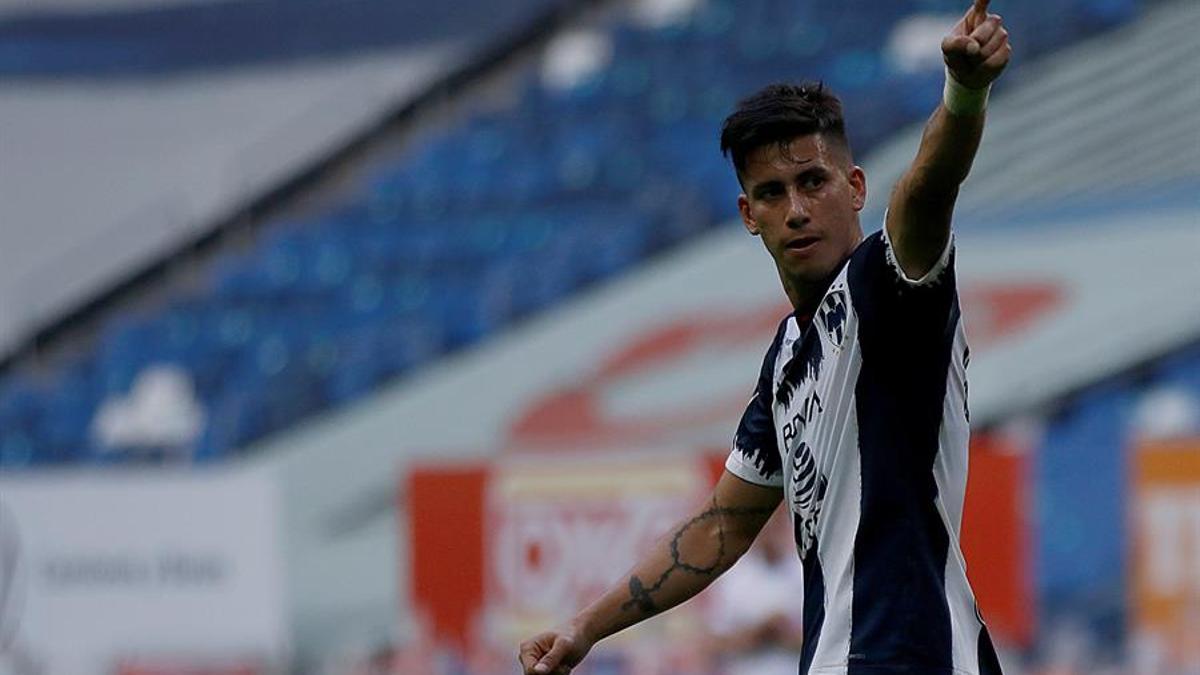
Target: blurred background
{"x": 358, "y": 336}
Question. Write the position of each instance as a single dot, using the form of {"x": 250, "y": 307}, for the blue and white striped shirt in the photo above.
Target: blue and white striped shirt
{"x": 860, "y": 416}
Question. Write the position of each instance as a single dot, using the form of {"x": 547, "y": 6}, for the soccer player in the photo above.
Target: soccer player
{"x": 859, "y": 420}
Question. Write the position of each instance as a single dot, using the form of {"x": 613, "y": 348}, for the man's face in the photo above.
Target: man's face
{"x": 803, "y": 200}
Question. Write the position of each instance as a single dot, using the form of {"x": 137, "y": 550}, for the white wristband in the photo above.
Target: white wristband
{"x": 960, "y": 100}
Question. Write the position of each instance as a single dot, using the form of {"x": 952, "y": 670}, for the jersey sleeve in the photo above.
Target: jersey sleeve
{"x": 901, "y": 317}
{"x": 943, "y": 267}
{"x": 755, "y": 455}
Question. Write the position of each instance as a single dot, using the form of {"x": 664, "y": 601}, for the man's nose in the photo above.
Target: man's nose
{"x": 797, "y": 209}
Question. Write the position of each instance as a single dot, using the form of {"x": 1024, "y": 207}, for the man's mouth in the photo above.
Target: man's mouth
{"x": 801, "y": 244}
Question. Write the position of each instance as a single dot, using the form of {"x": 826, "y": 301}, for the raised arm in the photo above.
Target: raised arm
{"x": 680, "y": 565}
{"x": 919, "y": 212}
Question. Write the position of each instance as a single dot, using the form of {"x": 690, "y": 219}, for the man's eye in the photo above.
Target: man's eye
{"x": 813, "y": 182}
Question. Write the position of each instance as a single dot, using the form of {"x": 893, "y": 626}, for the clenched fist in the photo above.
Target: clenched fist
{"x": 553, "y": 652}
{"x": 977, "y": 49}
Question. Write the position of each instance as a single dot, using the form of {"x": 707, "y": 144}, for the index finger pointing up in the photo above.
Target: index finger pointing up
{"x": 977, "y": 15}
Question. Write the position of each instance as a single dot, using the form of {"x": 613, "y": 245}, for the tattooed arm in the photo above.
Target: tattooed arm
{"x": 681, "y": 564}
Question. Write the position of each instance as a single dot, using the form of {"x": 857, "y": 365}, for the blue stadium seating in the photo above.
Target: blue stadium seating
{"x": 497, "y": 218}
{"x": 97, "y": 40}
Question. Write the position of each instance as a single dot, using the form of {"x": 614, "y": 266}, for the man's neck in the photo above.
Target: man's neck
{"x": 806, "y": 297}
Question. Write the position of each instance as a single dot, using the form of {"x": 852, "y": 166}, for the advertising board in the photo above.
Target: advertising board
{"x": 102, "y": 571}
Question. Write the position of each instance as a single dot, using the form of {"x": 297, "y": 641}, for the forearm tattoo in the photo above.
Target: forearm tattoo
{"x": 642, "y": 596}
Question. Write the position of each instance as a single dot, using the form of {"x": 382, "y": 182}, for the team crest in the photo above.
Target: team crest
{"x": 832, "y": 316}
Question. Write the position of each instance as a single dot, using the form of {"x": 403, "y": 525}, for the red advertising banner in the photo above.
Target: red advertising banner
{"x": 445, "y": 504}
{"x": 996, "y": 537}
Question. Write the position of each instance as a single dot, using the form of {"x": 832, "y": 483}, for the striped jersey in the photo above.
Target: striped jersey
{"x": 860, "y": 416}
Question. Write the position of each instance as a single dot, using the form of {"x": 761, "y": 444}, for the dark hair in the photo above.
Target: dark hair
{"x": 778, "y": 113}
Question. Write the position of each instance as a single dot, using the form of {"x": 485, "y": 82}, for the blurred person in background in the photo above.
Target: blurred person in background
{"x": 754, "y": 617}
{"x": 859, "y": 418}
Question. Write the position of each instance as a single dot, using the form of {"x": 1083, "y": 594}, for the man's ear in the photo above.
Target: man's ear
{"x": 747, "y": 220}
{"x": 858, "y": 185}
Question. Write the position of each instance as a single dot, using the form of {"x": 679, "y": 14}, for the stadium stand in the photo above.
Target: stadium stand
{"x": 476, "y": 226}
{"x": 180, "y": 153}
{"x": 159, "y": 39}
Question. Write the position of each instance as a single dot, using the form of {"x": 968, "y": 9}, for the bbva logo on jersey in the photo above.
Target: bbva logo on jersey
{"x": 832, "y": 316}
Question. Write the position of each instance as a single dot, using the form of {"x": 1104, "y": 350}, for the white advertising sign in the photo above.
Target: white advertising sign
{"x": 560, "y": 531}
{"x": 98, "y": 571}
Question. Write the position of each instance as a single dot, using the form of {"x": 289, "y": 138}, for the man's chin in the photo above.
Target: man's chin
{"x": 812, "y": 274}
